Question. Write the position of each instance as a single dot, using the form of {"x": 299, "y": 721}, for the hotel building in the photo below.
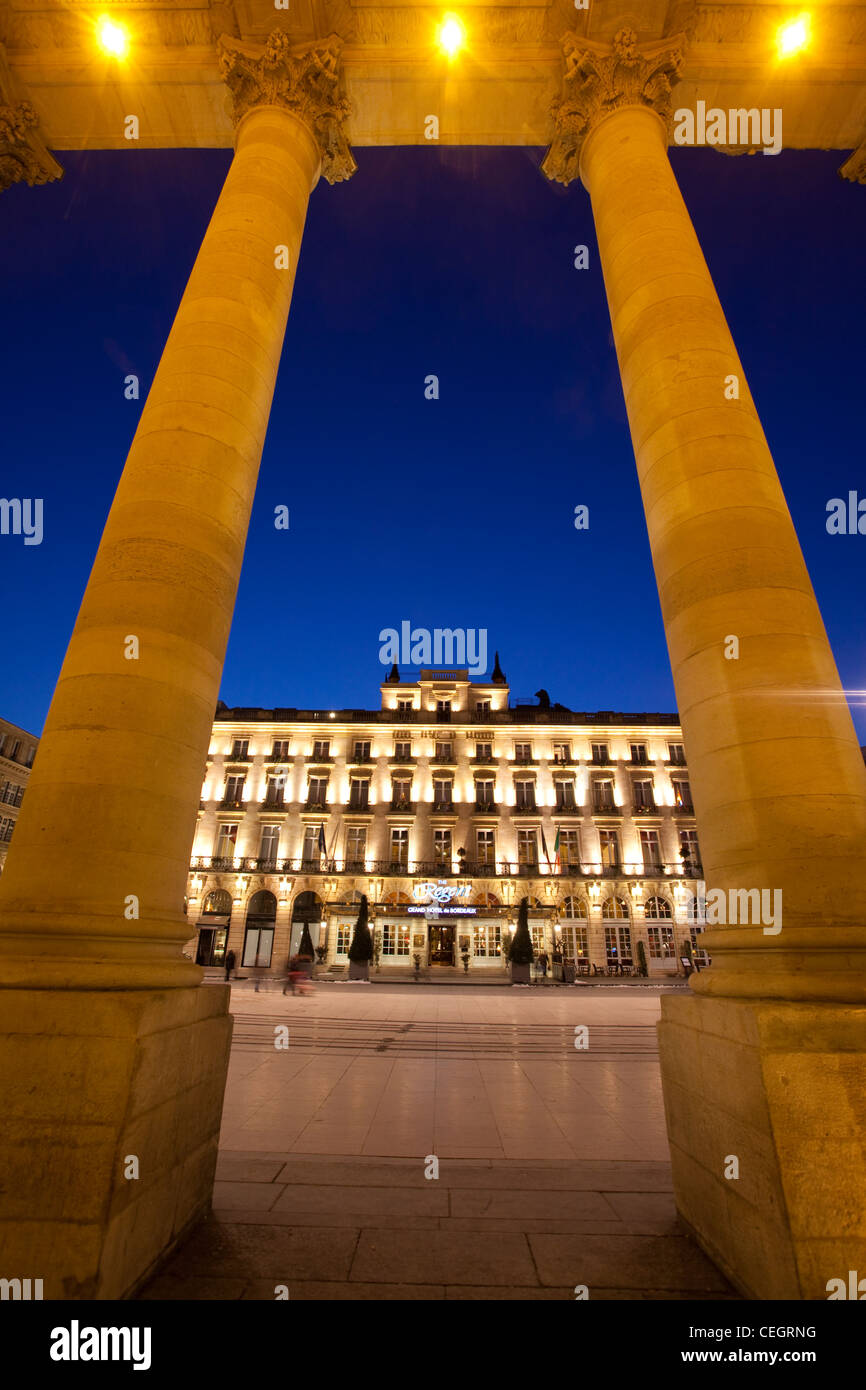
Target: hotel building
{"x": 17, "y": 751}
{"x": 445, "y": 807}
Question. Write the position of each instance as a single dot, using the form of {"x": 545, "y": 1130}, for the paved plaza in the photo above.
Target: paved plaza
{"x": 552, "y": 1160}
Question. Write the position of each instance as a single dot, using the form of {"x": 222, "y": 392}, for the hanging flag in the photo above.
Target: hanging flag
{"x": 323, "y": 849}
{"x": 556, "y": 863}
{"x": 544, "y": 847}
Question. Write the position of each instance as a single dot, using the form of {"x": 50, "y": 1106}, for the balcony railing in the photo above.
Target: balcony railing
{"x": 441, "y": 807}
{"x": 523, "y": 762}
{"x": 238, "y": 758}
{"x": 273, "y": 803}
{"x": 470, "y": 869}
{"x": 233, "y": 803}
{"x": 685, "y": 807}
{"x": 358, "y": 759}
{"x": 606, "y": 808}
{"x": 399, "y": 803}
{"x": 312, "y": 804}
{"x": 643, "y": 808}
{"x": 482, "y": 760}
{"x": 487, "y": 808}
{"x": 402, "y": 758}
{"x": 320, "y": 759}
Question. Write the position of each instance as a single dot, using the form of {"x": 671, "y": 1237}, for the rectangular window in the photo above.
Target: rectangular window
{"x": 321, "y": 749}
{"x": 241, "y": 748}
{"x": 638, "y": 752}
{"x": 651, "y": 849}
{"x": 399, "y": 846}
{"x": 6, "y": 826}
{"x": 690, "y": 853}
{"x": 227, "y": 838}
{"x": 362, "y": 750}
{"x": 442, "y": 848}
{"x": 524, "y": 796}
{"x": 270, "y": 844}
{"x": 617, "y": 945}
{"x": 401, "y": 793}
{"x": 359, "y": 793}
{"x": 280, "y": 749}
{"x": 312, "y": 851}
{"x": 485, "y": 799}
{"x": 537, "y": 934}
{"x": 485, "y": 848}
{"x": 527, "y": 848}
{"x": 395, "y": 939}
{"x": 661, "y": 942}
{"x": 356, "y": 847}
{"x": 599, "y": 753}
{"x": 234, "y": 791}
{"x": 565, "y": 796}
{"x": 562, "y": 752}
{"x": 275, "y": 791}
{"x": 443, "y": 789}
{"x": 443, "y": 752}
{"x": 317, "y": 795}
{"x": 487, "y": 940}
{"x": 482, "y": 709}
{"x": 677, "y": 754}
{"x": 609, "y": 845}
{"x": 569, "y": 849}
{"x": 483, "y": 752}
{"x": 575, "y": 941}
{"x": 682, "y": 795}
{"x": 258, "y": 945}
{"x": 523, "y": 752}
{"x": 602, "y": 796}
{"x": 344, "y": 940}
{"x": 698, "y": 952}
{"x": 643, "y": 795}
{"x": 402, "y": 752}
{"x": 404, "y": 706}
{"x": 443, "y": 711}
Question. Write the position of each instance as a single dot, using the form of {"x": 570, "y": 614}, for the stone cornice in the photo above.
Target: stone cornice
{"x": 302, "y": 79}
{"x": 600, "y": 79}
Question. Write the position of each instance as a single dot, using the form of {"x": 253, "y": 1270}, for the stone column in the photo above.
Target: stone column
{"x": 764, "y": 1061}
{"x": 110, "y": 1047}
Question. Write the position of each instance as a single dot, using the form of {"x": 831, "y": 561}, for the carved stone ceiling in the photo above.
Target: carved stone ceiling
{"x": 498, "y": 91}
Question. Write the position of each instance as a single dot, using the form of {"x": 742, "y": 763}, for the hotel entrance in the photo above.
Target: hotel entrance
{"x": 441, "y": 945}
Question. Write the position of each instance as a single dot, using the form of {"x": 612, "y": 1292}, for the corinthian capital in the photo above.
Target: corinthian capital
{"x": 303, "y": 80}
{"x": 23, "y": 156}
{"x": 599, "y": 79}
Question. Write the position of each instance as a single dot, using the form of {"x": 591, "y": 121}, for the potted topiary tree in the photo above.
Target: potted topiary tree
{"x": 520, "y": 953}
{"x": 642, "y": 968}
{"x": 361, "y": 947}
{"x": 305, "y": 954}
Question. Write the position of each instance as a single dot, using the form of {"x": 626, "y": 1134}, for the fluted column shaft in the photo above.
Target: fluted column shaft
{"x": 111, "y": 804}
{"x": 775, "y": 768}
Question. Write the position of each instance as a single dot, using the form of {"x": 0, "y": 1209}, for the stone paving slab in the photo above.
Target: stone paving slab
{"x": 446, "y": 1257}
{"x": 625, "y": 1262}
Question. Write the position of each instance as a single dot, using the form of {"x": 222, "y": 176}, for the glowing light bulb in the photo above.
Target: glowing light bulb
{"x": 452, "y": 35}
{"x": 113, "y": 38}
{"x": 794, "y": 36}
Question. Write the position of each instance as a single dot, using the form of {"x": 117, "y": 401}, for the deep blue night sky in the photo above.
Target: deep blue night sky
{"x": 450, "y": 513}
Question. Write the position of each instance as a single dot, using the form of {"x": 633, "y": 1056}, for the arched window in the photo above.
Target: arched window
{"x": 262, "y": 904}
{"x": 486, "y": 900}
{"x": 218, "y": 901}
{"x": 614, "y": 907}
{"x": 657, "y": 909}
{"x": 394, "y": 898}
{"x": 573, "y": 907}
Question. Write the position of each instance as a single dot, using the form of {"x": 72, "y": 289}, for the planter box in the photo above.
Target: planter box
{"x": 359, "y": 970}
{"x": 520, "y": 974}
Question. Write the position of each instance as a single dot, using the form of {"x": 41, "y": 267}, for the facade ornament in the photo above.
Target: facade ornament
{"x": 302, "y": 79}
{"x": 599, "y": 79}
{"x": 854, "y": 168}
{"x": 24, "y": 158}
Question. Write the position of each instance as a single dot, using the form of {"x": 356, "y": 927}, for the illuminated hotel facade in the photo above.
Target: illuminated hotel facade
{"x": 445, "y": 807}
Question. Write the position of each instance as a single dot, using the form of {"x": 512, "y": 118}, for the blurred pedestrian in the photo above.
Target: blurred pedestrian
{"x": 230, "y": 965}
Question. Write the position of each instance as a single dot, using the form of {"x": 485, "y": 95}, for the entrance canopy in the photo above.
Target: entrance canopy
{"x": 497, "y": 90}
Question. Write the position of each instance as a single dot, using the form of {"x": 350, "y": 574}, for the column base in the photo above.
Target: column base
{"x": 781, "y": 1087}
{"x": 91, "y": 1080}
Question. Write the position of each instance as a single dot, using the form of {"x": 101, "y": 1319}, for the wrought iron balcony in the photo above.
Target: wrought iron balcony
{"x": 438, "y": 808}
{"x": 274, "y": 803}
{"x": 318, "y": 864}
{"x": 233, "y": 803}
{"x": 685, "y": 808}
{"x": 487, "y": 808}
{"x": 643, "y": 808}
{"x": 606, "y": 808}
{"x": 400, "y": 803}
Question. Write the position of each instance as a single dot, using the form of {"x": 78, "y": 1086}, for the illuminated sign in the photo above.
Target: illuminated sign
{"x": 440, "y": 892}
{"x": 442, "y": 911}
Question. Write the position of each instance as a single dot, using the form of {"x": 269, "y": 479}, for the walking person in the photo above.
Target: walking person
{"x": 230, "y": 965}
{"x": 543, "y": 962}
